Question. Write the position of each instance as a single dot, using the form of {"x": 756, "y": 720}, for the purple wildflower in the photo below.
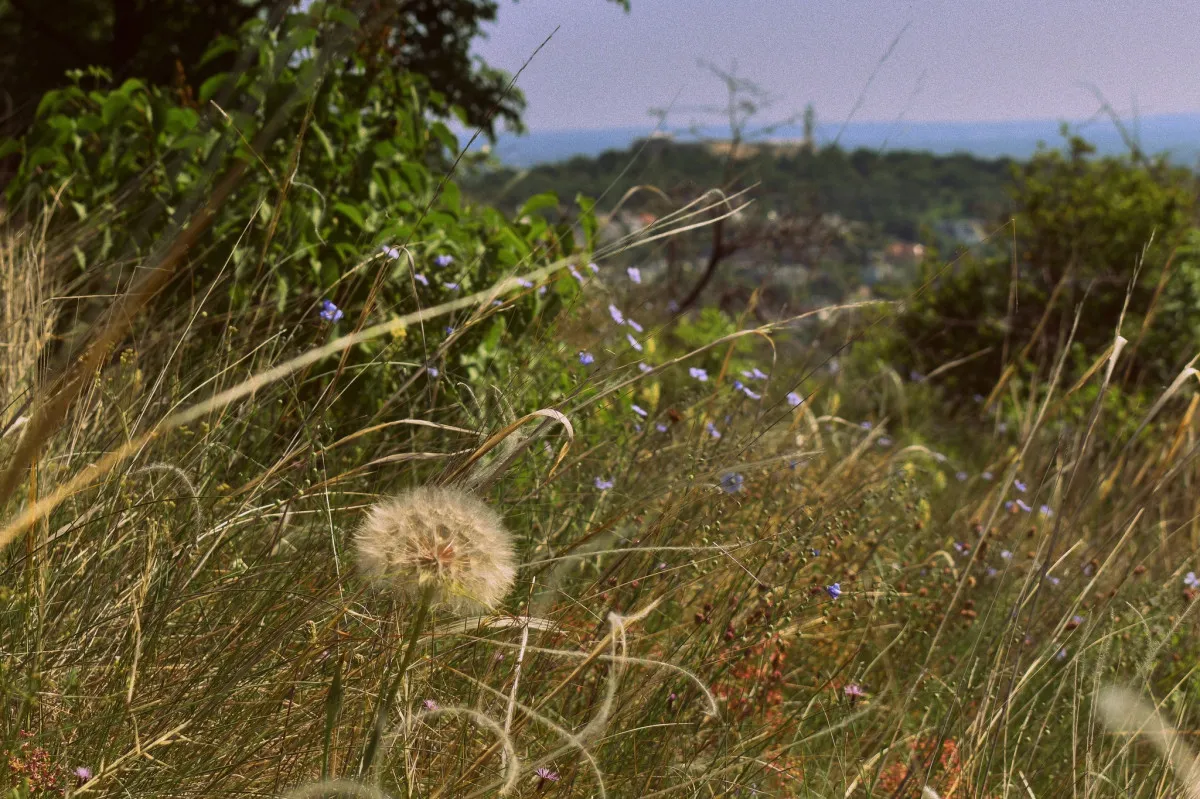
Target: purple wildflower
{"x": 417, "y": 276}
{"x": 854, "y": 691}
{"x": 698, "y": 374}
{"x": 635, "y": 326}
{"x": 82, "y": 773}
{"x": 712, "y": 430}
{"x": 634, "y": 273}
{"x": 431, "y": 705}
{"x": 660, "y": 427}
{"x": 794, "y": 399}
{"x": 595, "y": 269}
{"x": 633, "y": 342}
{"x": 453, "y": 286}
{"x": 1045, "y": 510}
{"x": 987, "y": 476}
{"x": 883, "y": 441}
{"x": 1017, "y": 484}
{"x": 523, "y": 283}
{"x": 960, "y": 477}
{"x": 603, "y": 484}
{"x": 433, "y": 371}
{"x": 1191, "y": 580}
{"x": 544, "y": 773}
{"x": 586, "y": 357}
{"x": 1005, "y": 554}
{"x": 834, "y": 590}
{"x": 1023, "y": 505}
{"x": 444, "y": 260}
{"x": 639, "y": 411}
{"x": 644, "y": 367}
{"x": 616, "y": 314}
{"x": 865, "y": 425}
{"x": 575, "y": 273}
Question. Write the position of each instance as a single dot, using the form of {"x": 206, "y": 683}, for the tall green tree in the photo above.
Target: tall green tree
{"x": 163, "y": 43}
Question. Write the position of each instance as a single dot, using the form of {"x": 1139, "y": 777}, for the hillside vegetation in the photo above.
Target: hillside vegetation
{"x": 321, "y": 476}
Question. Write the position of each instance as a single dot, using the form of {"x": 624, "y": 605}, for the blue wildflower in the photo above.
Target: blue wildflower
{"x": 732, "y": 483}
{"x": 1017, "y": 484}
{"x": 634, "y": 273}
{"x": 603, "y": 484}
{"x": 660, "y": 427}
{"x": 433, "y": 371}
{"x": 330, "y": 312}
{"x": 644, "y": 367}
{"x": 754, "y": 395}
{"x": 575, "y": 273}
{"x": 633, "y": 342}
{"x": 390, "y": 252}
{"x": 444, "y": 260}
{"x": 1191, "y": 580}
{"x": 639, "y": 410}
{"x": 586, "y": 357}
{"x": 616, "y": 314}
{"x": 794, "y": 399}
{"x": 595, "y": 269}
{"x": 635, "y": 326}
{"x": 525, "y": 284}
{"x": 417, "y": 276}
{"x": 1023, "y": 505}
{"x": 865, "y": 425}
{"x": 712, "y": 430}
{"x": 698, "y": 374}
{"x": 834, "y": 590}
{"x": 1045, "y": 510}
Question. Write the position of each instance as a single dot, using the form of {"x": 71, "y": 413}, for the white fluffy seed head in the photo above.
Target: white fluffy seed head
{"x": 442, "y": 536}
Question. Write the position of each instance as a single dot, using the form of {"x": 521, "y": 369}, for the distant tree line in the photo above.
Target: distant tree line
{"x": 893, "y": 192}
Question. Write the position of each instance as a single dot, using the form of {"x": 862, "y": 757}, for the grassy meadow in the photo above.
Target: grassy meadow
{"x": 655, "y": 554}
{"x": 751, "y": 569}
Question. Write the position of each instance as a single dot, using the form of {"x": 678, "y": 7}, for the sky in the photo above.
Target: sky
{"x": 953, "y": 60}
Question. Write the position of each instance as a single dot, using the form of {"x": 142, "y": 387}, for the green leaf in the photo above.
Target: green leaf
{"x": 351, "y": 213}
{"x": 210, "y": 87}
{"x": 113, "y": 105}
{"x": 537, "y": 202}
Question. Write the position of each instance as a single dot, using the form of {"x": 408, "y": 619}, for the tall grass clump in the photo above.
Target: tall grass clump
{"x": 516, "y": 529}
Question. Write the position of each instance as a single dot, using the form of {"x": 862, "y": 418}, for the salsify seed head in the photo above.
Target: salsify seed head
{"x": 439, "y": 536}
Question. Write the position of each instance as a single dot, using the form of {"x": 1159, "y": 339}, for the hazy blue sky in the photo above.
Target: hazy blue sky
{"x": 962, "y": 60}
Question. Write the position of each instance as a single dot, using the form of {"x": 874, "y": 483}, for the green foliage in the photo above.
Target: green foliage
{"x": 1087, "y": 228}
{"x": 167, "y": 43}
{"x": 365, "y": 173}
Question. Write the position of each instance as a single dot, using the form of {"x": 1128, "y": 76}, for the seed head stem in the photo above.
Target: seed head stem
{"x": 388, "y": 694}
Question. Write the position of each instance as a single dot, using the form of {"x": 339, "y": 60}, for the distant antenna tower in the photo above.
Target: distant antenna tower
{"x": 810, "y": 128}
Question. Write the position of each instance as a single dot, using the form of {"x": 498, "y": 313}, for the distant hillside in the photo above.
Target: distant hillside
{"x": 1177, "y": 134}
{"x": 894, "y": 192}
